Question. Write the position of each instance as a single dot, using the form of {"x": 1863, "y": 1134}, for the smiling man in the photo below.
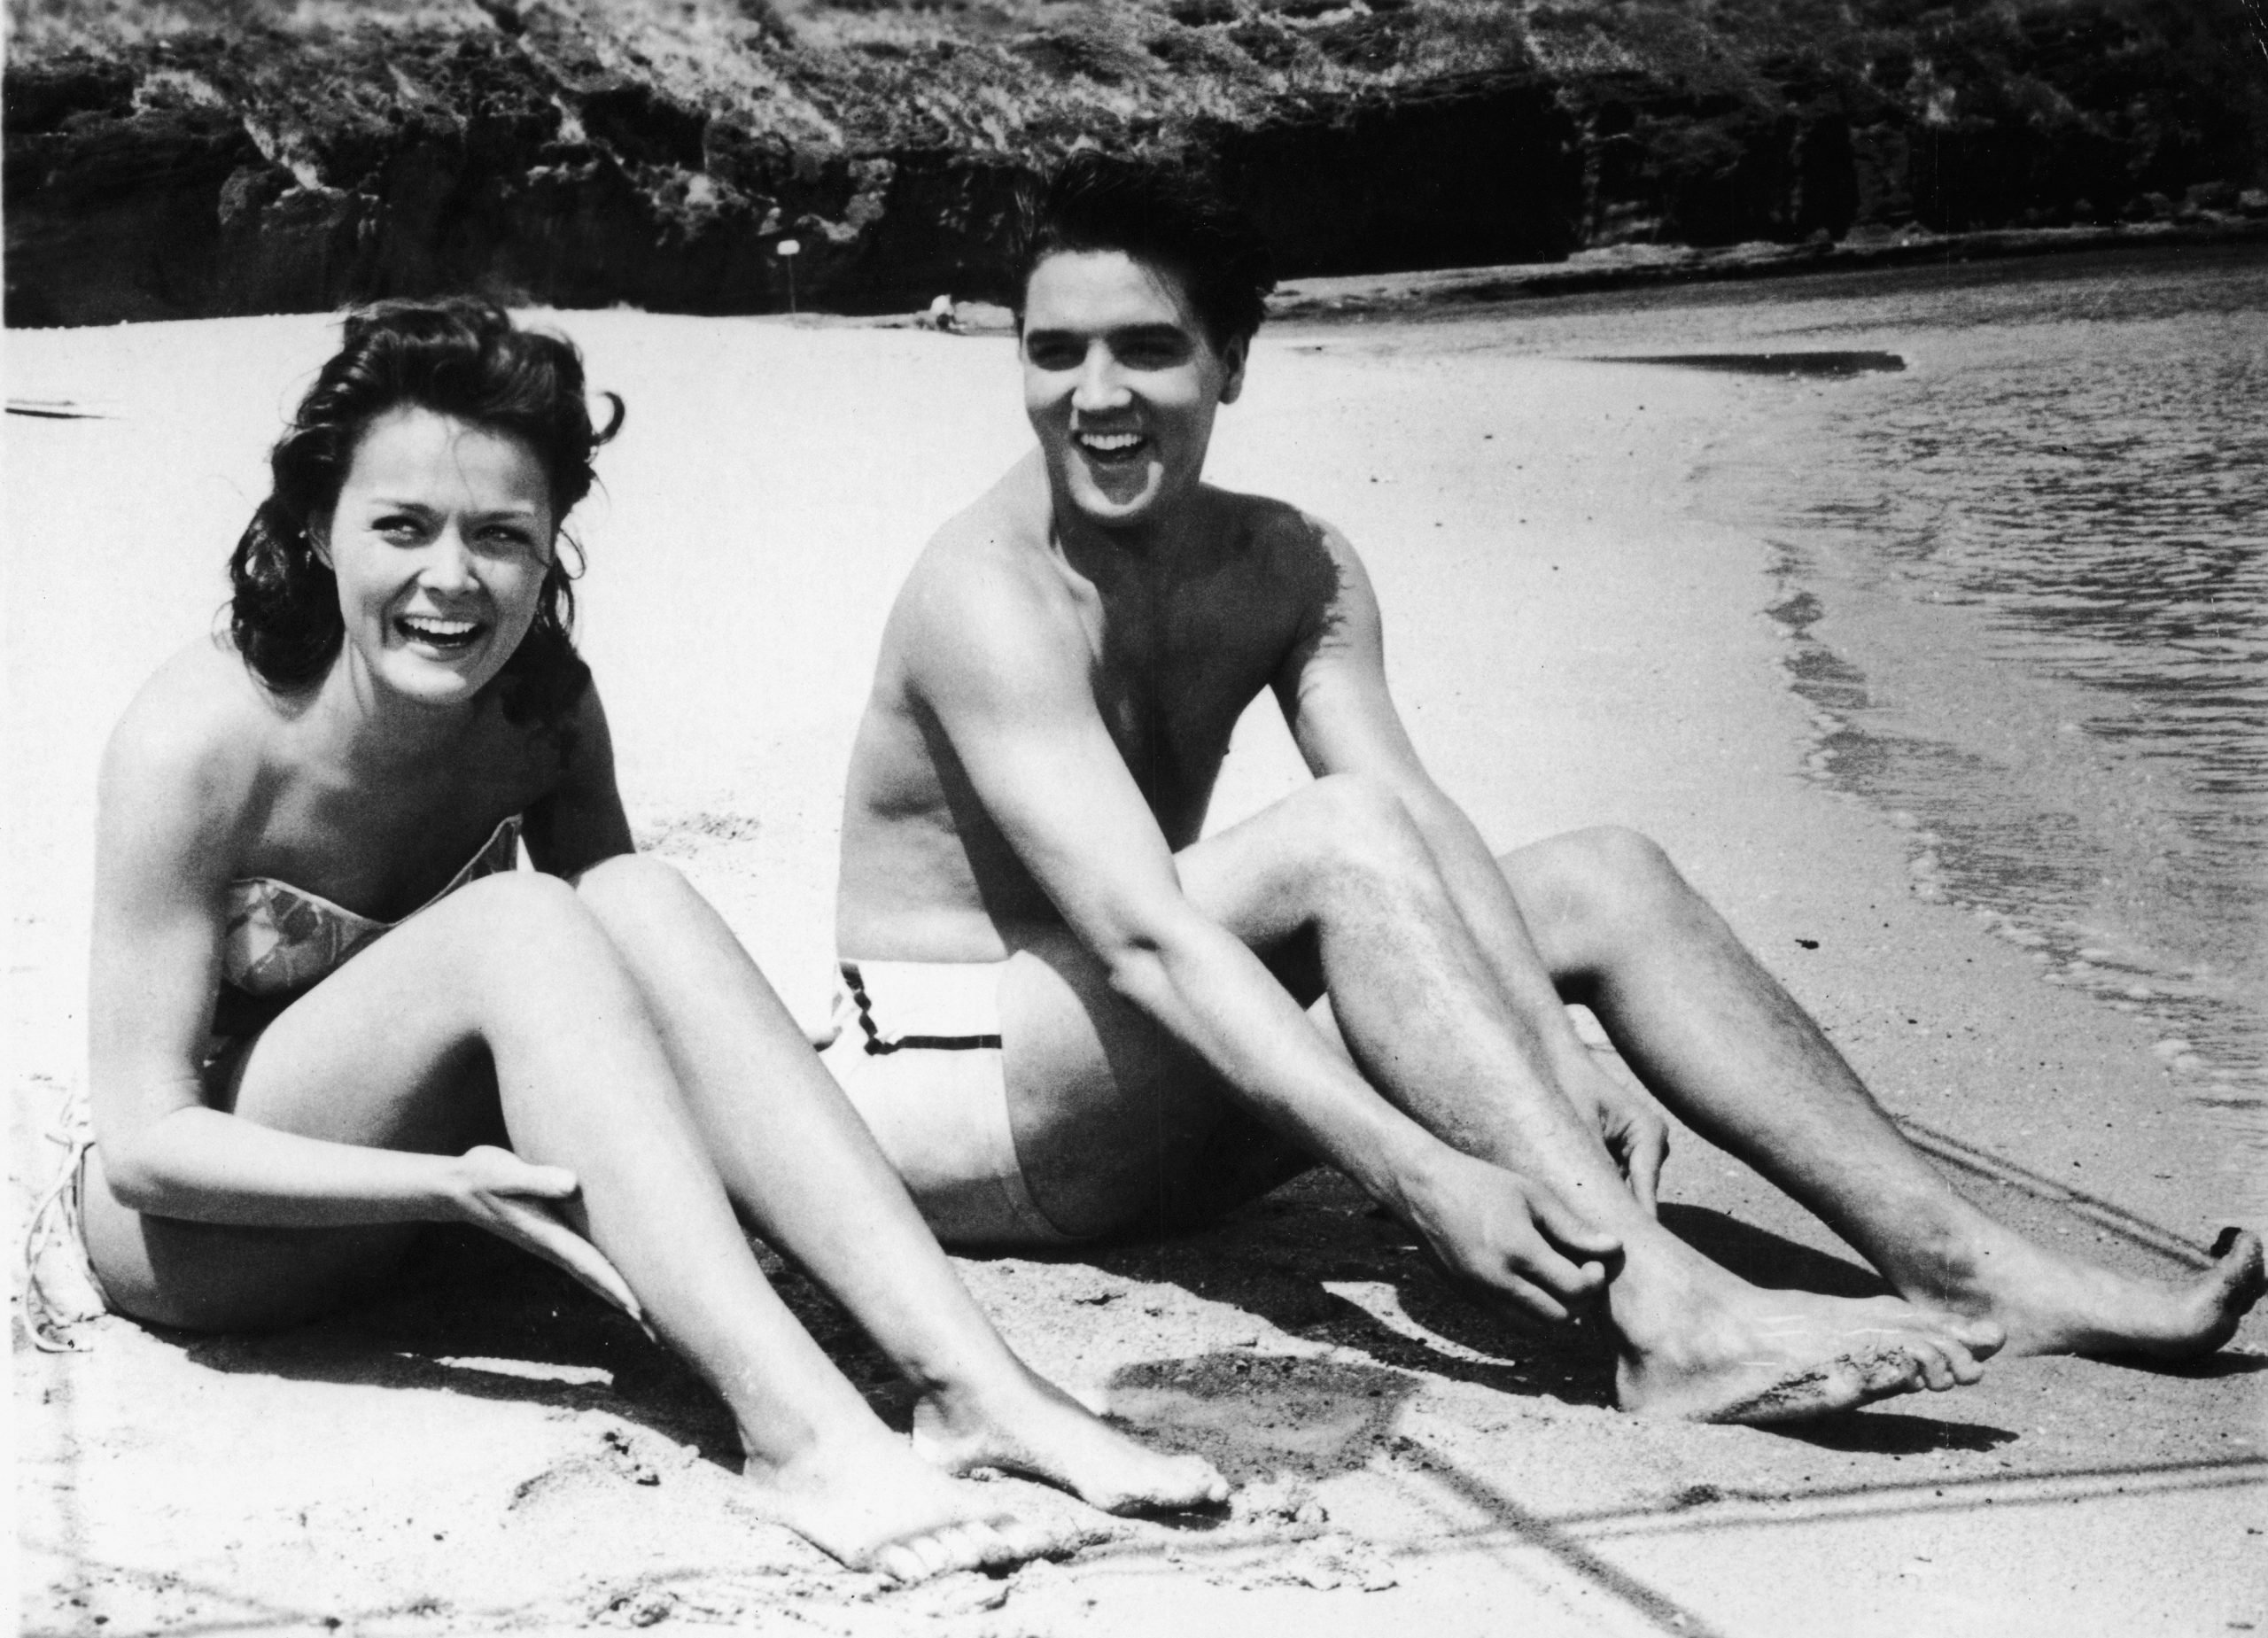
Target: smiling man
{"x": 1066, "y": 1015}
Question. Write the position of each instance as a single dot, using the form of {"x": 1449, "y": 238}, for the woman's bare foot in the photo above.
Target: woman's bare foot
{"x": 1033, "y": 1428}
{"x": 2050, "y": 1303}
{"x": 1699, "y": 1345}
{"x": 872, "y": 1504}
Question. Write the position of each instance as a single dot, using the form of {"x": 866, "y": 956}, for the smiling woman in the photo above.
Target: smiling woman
{"x": 440, "y": 544}
{"x": 400, "y": 362}
{"x": 326, "y": 1008}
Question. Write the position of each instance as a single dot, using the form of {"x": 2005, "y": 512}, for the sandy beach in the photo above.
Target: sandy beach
{"x": 486, "y": 1449}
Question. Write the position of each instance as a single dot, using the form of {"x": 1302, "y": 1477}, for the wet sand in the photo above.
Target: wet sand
{"x": 484, "y": 1449}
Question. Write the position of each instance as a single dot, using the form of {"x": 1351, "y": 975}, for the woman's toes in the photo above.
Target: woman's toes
{"x": 938, "y": 1552}
{"x": 1009, "y": 1542}
{"x": 1023, "y": 1540}
{"x": 901, "y": 1562}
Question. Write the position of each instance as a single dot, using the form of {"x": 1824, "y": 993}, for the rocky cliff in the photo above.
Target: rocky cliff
{"x": 234, "y": 156}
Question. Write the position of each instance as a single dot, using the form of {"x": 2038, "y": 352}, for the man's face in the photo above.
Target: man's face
{"x": 1121, "y": 383}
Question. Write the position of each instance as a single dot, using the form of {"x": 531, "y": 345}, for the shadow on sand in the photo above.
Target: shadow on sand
{"x": 464, "y": 1313}
{"x": 1316, "y": 1260}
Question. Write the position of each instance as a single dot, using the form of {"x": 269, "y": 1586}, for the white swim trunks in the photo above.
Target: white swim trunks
{"x": 917, "y": 1048}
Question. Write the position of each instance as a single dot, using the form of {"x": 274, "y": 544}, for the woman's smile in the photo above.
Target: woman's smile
{"x": 439, "y": 541}
{"x": 443, "y": 636}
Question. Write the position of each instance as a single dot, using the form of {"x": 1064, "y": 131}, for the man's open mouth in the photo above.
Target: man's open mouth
{"x": 1110, "y": 449}
{"x": 433, "y": 631}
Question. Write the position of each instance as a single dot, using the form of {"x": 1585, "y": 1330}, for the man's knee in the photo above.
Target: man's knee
{"x": 1358, "y": 826}
{"x": 1599, "y": 887}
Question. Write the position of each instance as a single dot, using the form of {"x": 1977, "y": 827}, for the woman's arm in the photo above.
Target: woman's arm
{"x": 181, "y": 796}
{"x": 580, "y": 821}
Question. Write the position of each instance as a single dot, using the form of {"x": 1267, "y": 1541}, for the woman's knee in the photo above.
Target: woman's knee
{"x": 630, "y": 880}
{"x": 524, "y": 926}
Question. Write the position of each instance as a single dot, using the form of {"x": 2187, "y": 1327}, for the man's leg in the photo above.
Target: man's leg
{"x": 1111, "y": 1119}
{"x": 1721, "y": 1043}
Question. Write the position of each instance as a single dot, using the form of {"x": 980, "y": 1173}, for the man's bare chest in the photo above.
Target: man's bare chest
{"x": 1171, "y": 693}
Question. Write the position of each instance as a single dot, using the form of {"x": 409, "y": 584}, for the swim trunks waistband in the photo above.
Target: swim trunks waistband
{"x": 924, "y": 1005}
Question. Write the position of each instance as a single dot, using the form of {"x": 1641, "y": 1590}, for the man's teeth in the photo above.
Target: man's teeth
{"x": 1110, "y": 443}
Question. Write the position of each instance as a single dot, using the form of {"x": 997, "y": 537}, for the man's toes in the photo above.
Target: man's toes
{"x": 1885, "y": 1371}
{"x": 1981, "y": 1336}
{"x": 1936, "y": 1368}
{"x": 1967, "y": 1368}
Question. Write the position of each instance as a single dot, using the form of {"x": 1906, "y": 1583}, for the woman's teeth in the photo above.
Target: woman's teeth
{"x": 441, "y": 633}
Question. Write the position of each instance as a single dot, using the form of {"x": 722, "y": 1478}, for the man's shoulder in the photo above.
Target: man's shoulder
{"x": 1273, "y": 526}
{"x": 1299, "y": 561}
{"x": 982, "y": 591}
{"x": 988, "y": 559}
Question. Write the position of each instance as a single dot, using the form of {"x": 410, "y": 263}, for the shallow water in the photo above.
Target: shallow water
{"x": 2025, "y": 580}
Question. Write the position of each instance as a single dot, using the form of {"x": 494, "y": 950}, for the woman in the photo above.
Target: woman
{"x": 579, "y": 1058}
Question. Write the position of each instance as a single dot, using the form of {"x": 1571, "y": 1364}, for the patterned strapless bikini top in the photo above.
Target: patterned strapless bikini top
{"x": 282, "y": 939}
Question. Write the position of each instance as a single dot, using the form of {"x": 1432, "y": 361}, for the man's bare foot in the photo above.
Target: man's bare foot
{"x": 2050, "y": 1303}
{"x": 1714, "y": 1349}
{"x": 1033, "y": 1428}
{"x": 872, "y": 1504}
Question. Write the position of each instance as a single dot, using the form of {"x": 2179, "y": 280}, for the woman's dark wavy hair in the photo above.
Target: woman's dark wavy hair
{"x": 459, "y": 357}
{"x": 1170, "y": 215}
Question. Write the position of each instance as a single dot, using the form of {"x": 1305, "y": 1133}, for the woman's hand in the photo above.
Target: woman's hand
{"x": 495, "y": 1190}
{"x": 1510, "y": 1236}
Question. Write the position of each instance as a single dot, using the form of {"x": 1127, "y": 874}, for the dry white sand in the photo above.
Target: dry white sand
{"x": 485, "y": 1450}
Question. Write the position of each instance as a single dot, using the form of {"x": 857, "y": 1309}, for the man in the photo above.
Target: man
{"x": 1072, "y": 1016}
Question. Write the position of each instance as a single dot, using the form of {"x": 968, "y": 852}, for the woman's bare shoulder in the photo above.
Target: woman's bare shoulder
{"x": 201, "y": 727}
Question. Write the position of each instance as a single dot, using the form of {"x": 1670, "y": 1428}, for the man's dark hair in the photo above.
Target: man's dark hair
{"x": 1170, "y": 215}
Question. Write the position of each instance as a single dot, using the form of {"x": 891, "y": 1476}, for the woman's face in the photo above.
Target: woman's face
{"x": 440, "y": 539}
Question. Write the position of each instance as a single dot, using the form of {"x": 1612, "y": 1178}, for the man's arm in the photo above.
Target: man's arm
{"x": 1333, "y": 694}
{"x": 1005, "y": 674}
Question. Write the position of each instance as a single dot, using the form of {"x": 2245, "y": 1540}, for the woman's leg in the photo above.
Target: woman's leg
{"x": 802, "y": 1169}
{"x": 391, "y": 1050}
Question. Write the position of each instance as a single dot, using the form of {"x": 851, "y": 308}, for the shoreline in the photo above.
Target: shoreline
{"x": 1358, "y": 297}
{"x": 1419, "y": 294}
{"x": 1569, "y": 648}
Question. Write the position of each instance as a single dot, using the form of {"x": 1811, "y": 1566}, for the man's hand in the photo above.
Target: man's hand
{"x": 1631, "y": 1125}
{"x": 1510, "y": 1236}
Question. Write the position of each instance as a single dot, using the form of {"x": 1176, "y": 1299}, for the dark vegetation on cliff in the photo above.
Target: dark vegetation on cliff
{"x": 237, "y": 156}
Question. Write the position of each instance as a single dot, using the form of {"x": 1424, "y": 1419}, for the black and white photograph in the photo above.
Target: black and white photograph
{"x": 1174, "y": 819}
